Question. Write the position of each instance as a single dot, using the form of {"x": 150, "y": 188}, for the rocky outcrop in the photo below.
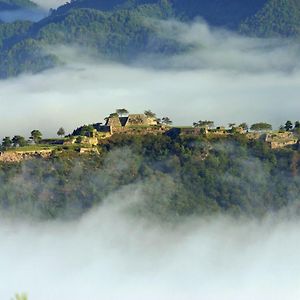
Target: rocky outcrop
{"x": 18, "y": 156}
{"x": 89, "y": 151}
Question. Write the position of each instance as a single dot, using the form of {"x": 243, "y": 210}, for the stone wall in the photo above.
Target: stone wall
{"x": 114, "y": 122}
{"x": 281, "y": 139}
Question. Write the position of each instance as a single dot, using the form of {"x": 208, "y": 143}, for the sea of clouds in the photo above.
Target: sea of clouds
{"x": 110, "y": 254}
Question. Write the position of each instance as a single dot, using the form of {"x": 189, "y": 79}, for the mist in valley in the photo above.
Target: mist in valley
{"x": 48, "y": 4}
{"x": 131, "y": 247}
{"x": 110, "y": 254}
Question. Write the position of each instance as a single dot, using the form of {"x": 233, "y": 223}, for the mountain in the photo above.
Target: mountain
{"x": 259, "y": 17}
{"x": 276, "y": 18}
{"x": 118, "y": 29}
{"x": 229, "y": 13}
{"x": 121, "y": 34}
{"x": 16, "y": 4}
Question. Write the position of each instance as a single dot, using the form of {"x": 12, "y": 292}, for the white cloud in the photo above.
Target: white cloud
{"x": 47, "y": 4}
{"x": 111, "y": 255}
{"x": 218, "y": 49}
{"x": 86, "y": 93}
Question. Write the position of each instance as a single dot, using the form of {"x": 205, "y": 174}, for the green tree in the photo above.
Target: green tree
{"x": 112, "y": 115}
{"x": 149, "y": 114}
{"x": 61, "y": 132}
{"x": 79, "y": 140}
{"x": 244, "y": 126}
{"x": 288, "y": 125}
{"x": 204, "y": 124}
{"x": 36, "y": 136}
{"x": 6, "y": 143}
{"x": 122, "y": 111}
{"x": 19, "y": 140}
{"x": 167, "y": 121}
{"x": 86, "y": 130}
{"x": 261, "y": 127}
{"x": 297, "y": 127}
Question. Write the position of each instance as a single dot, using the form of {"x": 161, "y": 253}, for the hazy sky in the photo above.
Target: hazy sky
{"x": 226, "y": 78}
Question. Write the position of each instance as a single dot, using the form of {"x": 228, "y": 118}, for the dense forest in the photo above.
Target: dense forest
{"x": 121, "y": 29}
{"x": 172, "y": 176}
{"x": 16, "y": 4}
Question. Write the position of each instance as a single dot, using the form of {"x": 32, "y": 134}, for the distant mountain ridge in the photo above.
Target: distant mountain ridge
{"x": 254, "y": 17}
{"x": 276, "y": 18}
{"x": 117, "y": 28}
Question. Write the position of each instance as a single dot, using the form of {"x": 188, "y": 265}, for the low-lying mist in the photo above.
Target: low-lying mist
{"x": 110, "y": 254}
{"x": 47, "y": 4}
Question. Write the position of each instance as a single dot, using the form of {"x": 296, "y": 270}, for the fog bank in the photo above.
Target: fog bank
{"x": 82, "y": 94}
{"x": 110, "y": 254}
{"x": 47, "y": 4}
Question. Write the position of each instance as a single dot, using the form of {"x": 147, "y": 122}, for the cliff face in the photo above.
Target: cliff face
{"x": 18, "y": 156}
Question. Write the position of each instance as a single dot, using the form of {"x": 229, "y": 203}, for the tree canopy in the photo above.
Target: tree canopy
{"x": 262, "y": 126}
{"x": 149, "y": 114}
{"x": 122, "y": 111}
{"x": 204, "y": 124}
{"x": 36, "y": 136}
{"x": 19, "y": 140}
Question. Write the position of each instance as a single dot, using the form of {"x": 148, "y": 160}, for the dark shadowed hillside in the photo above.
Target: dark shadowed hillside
{"x": 120, "y": 29}
{"x": 276, "y": 18}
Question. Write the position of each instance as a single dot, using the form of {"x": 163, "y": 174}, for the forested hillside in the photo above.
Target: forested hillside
{"x": 16, "y": 4}
{"x": 120, "y": 35}
{"x": 276, "y": 18}
{"x": 122, "y": 30}
{"x": 173, "y": 176}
